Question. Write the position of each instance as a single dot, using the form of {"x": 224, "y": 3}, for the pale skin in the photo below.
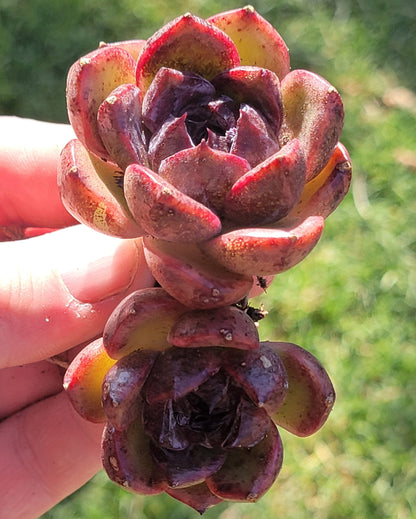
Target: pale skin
{"x": 56, "y": 293}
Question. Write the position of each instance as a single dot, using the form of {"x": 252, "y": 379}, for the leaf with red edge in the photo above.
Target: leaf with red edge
{"x": 119, "y": 126}
{"x": 84, "y": 378}
{"x": 90, "y": 80}
{"x": 90, "y": 191}
{"x": 189, "y": 276}
{"x": 260, "y": 373}
{"x": 164, "y": 211}
{"x": 248, "y": 473}
{"x": 269, "y": 191}
{"x": 311, "y": 394}
{"x": 322, "y": 195}
{"x": 257, "y": 41}
{"x": 188, "y": 43}
{"x": 204, "y": 174}
{"x": 262, "y": 251}
{"x": 131, "y": 326}
{"x": 133, "y": 47}
{"x": 128, "y": 462}
{"x": 314, "y": 114}
{"x": 122, "y": 386}
{"x": 226, "y": 326}
{"x": 198, "y": 497}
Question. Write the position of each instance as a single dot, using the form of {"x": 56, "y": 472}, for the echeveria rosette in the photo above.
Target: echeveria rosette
{"x": 192, "y": 405}
{"x": 202, "y": 140}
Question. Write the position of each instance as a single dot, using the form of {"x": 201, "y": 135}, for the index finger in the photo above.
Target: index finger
{"x": 29, "y": 156}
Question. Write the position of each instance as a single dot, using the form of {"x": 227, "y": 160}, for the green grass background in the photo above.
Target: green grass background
{"x": 351, "y": 302}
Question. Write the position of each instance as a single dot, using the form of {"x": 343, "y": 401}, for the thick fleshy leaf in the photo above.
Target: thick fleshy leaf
{"x": 83, "y": 380}
{"x": 164, "y": 211}
{"x": 122, "y": 386}
{"x": 269, "y": 191}
{"x": 90, "y": 80}
{"x": 257, "y": 41}
{"x": 160, "y": 423}
{"x": 128, "y": 462}
{"x": 204, "y": 174}
{"x": 131, "y": 326}
{"x": 260, "y": 373}
{"x": 172, "y": 137}
{"x": 133, "y": 47}
{"x": 189, "y": 467}
{"x": 177, "y": 371}
{"x": 119, "y": 126}
{"x": 248, "y": 473}
{"x": 186, "y": 273}
{"x": 228, "y": 326}
{"x": 172, "y": 92}
{"x": 311, "y": 394}
{"x": 91, "y": 192}
{"x": 251, "y": 425}
{"x": 253, "y": 140}
{"x": 322, "y": 195}
{"x": 263, "y": 251}
{"x": 314, "y": 114}
{"x": 198, "y": 497}
{"x": 257, "y": 87}
{"x": 187, "y": 43}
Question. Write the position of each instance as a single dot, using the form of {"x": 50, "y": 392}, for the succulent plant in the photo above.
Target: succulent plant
{"x": 202, "y": 141}
{"x": 192, "y": 405}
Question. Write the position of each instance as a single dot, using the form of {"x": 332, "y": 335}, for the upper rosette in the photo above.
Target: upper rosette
{"x": 202, "y": 135}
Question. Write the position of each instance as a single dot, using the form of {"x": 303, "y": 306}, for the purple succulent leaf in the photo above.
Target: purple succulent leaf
{"x": 119, "y": 126}
{"x": 248, "y": 473}
{"x": 226, "y": 326}
{"x": 198, "y": 496}
{"x": 257, "y": 87}
{"x": 164, "y": 383}
{"x": 189, "y": 467}
{"x": 268, "y": 192}
{"x": 260, "y": 373}
{"x": 171, "y": 137}
{"x": 122, "y": 386}
{"x": 173, "y": 92}
{"x": 128, "y": 461}
{"x": 164, "y": 211}
{"x": 204, "y": 174}
{"x": 252, "y": 140}
{"x": 250, "y": 426}
{"x": 159, "y": 420}
{"x": 265, "y": 250}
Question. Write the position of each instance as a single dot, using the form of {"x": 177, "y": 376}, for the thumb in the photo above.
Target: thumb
{"x": 58, "y": 290}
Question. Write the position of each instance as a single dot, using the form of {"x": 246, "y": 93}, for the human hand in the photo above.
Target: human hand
{"x": 56, "y": 292}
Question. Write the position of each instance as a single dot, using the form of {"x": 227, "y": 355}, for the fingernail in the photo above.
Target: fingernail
{"x": 104, "y": 272}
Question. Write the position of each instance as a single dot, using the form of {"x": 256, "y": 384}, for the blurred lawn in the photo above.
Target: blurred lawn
{"x": 351, "y": 302}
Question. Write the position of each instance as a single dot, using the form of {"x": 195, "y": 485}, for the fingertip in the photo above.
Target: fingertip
{"x": 29, "y": 156}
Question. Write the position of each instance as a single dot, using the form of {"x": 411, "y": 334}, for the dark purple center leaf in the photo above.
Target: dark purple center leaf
{"x": 188, "y": 467}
